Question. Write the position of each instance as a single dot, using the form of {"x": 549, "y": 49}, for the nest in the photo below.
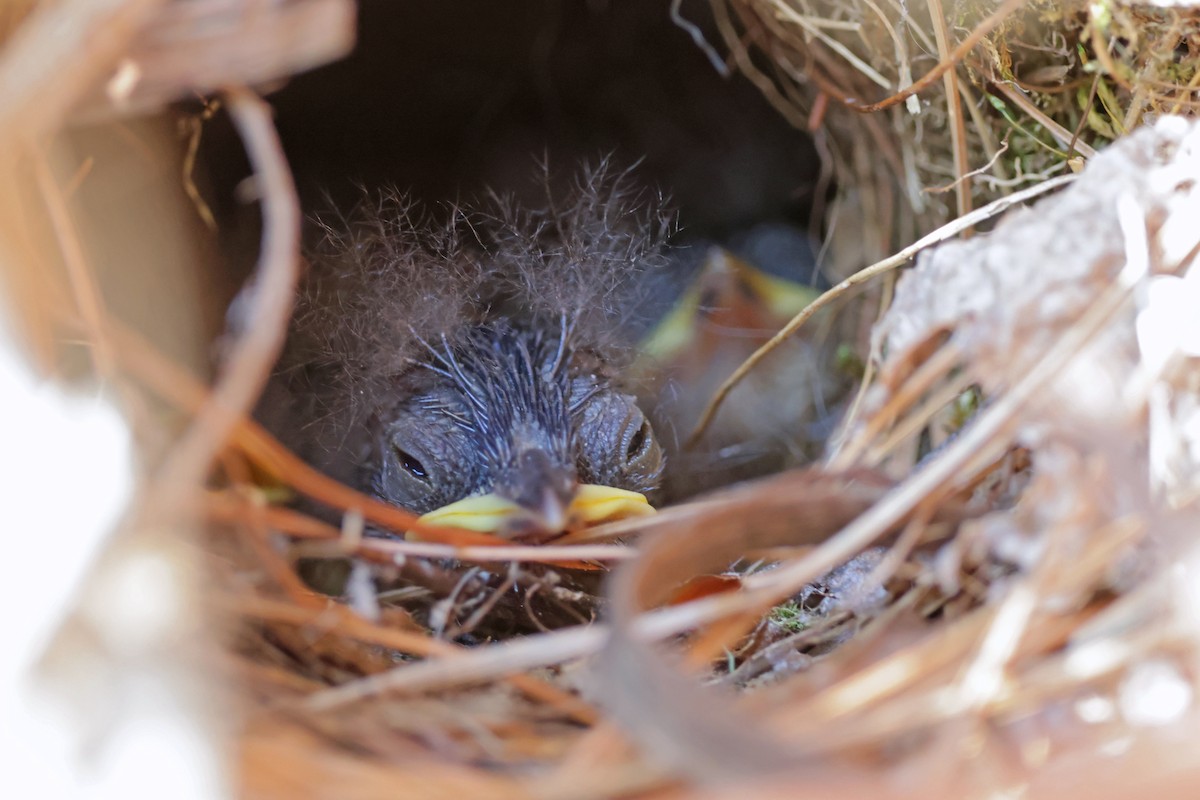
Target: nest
{"x": 988, "y": 584}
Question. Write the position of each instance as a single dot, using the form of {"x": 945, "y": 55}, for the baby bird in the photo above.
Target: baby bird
{"x": 470, "y": 372}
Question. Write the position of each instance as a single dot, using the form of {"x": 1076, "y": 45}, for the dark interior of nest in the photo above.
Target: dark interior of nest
{"x": 442, "y": 109}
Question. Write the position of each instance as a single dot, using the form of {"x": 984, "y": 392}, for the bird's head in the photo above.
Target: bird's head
{"x": 467, "y": 368}
{"x": 510, "y": 429}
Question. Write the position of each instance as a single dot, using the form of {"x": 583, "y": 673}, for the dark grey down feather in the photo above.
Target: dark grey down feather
{"x": 431, "y": 362}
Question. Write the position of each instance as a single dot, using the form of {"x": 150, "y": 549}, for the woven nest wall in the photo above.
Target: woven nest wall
{"x": 985, "y": 584}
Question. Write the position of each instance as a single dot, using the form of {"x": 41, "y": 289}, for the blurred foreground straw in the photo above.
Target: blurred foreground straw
{"x": 98, "y": 237}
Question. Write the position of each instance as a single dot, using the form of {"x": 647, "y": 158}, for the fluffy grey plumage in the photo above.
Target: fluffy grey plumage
{"x": 428, "y": 363}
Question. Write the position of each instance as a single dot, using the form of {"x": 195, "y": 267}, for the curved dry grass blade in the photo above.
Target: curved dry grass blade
{"x": 252, "y": 357}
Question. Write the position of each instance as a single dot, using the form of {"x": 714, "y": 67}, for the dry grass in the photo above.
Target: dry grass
{"x": 1013, "y": 495}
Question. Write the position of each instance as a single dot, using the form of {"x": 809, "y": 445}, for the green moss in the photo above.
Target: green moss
{"x": 965, "y": 406}
{"x": 847, "y": 361}
{"x": 789, "y": 616}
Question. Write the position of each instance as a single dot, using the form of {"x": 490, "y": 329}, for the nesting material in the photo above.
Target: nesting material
{"x": 935, "y": 108}
{"x": 1043, "y": 313}
{"x": 989, "y": 587}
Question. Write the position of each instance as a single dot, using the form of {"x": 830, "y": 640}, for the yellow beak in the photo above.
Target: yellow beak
{"x": 591, "y": 505}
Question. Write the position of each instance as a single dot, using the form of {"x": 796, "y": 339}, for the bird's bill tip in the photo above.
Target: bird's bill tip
{"x": 591, "y": 504}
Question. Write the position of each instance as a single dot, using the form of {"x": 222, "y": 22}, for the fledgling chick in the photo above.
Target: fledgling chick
{"x": 774, "y": 418}
{"x": 471, "y": 372}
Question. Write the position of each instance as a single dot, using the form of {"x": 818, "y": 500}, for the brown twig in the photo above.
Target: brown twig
{"x": 442, "y": 655}
{"x": 1083, "y": 117}
{"x": 979, "y": 171}
{"x": 484, "y": 663}
{"x": 252, "y": 357}
{"x": 224, "y": 508}
{"x": 274, "y": 563}
{"x": 195, "y": 130}
{"x": 86, "y": 293}
{"x": 932, "y": 370}
{"x": 330, "y": 616}
{"x": 1064, "y": 136}
{"x": 958, "y": 129}
{"x": 990, "y": 23}
{"x": 745, "y": 64}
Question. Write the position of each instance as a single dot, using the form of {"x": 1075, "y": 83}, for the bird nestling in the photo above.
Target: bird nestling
{"x": 469, "y": 371}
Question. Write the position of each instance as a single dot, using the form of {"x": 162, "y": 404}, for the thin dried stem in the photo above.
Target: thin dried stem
{"x": 225, "y": 508}
{"x": 1064, "y": 136}
{"x": 917, "y": 384}
{"x": 480, "y": 664}
{"x": 252, "y": 357}
{"x": 990, "y": 23}
{"x": 88, "y": 300}
{"x": 958, "y": 129}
